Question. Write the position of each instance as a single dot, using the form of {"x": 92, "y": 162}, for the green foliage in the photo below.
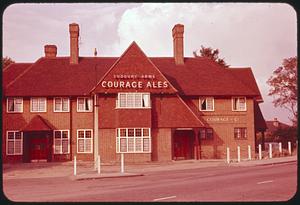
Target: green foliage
{"x": 210, "y": 53}
{"x": 284, "y": 135}
{"x": 283, "y": 84}
{"x": 6, "y": 61}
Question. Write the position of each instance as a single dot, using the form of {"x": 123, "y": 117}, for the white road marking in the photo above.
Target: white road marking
{"x": 163, "y": 198}
{"x": 265, "y": 182}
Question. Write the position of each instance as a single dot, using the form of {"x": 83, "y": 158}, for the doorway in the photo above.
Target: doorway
{"x": 183, "y": 144}
{"x": 37, "y": 146}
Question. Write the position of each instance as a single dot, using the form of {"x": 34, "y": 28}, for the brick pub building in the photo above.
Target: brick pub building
{"x": 151, "y": 108}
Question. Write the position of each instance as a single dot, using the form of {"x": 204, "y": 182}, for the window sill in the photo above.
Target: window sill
{"x": 133, "y": 108}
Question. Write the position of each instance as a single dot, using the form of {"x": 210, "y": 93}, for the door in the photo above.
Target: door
{"x": 38, "y": 147}
{"x": 183, "y": 148}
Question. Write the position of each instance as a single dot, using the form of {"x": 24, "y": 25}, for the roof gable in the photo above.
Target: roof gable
{"x": 37, "y": 123}
{"x": 134, "y": 71}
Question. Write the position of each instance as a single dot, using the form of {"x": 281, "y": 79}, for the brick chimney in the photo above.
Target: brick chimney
{"x": 50, "y": 51}
{"x": 177, "y": 33}
{"x": 74, "y": 48}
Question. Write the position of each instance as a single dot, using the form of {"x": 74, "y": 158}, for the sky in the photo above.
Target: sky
{"x": 256, "y": 35}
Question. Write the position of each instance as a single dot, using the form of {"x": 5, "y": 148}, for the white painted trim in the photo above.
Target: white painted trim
{"x": 184, "y": 128}
{"x": 126, "y": 93}
{"x": 241, "y": 138}
{"x": 142, "y": 137}
{"x": 14, "y": 98}
{"x": 205, "y": 97}
{"x": 232, "y": 104}
{"x": 38, "y": 103}
{"x": 69, "y": 141}
{"x": 91, "y": 104}
{"x": 92, "y": 138}
{"x": 61, "y": 104}
{"x": 6, "y": 144}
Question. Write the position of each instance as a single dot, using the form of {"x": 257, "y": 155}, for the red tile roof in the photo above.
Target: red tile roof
{"x": 37, "y": 123}
{"x": 12, "y": 71}
{"x": 198, "y": 76}
{"x": 246, "y": 77}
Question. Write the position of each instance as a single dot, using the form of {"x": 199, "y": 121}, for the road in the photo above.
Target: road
{"x": 276, "y": 182}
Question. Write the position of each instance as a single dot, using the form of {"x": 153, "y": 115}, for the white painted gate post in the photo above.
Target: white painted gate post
{"x": 98, "y": 163}
{"x": 270, "y": 150}
{"x": 280, "y": 148}
{"x": 75, "y": 171}
{"x": 290, "y": 147}
{"x": 259, "y": 152}
{"x": 249, "y": 152}
{"x": 239, "y": 154}
{"x": 228, "y": 155}
{"x": 122, "y": 162}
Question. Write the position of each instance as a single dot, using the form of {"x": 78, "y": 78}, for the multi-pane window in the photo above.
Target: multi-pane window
{"x": 240, "y": 133}
{"x": 61, "y": 142}
{"x": 14, "y": 143}
{"x": 38, "y": 104}
{"x": 207, "y": 104}
{"x": 239, "y": 104}
{"x": 84, "y": 104}
{"x": 133, "y": 100}
{"x": 61, "y": 104}
{"x": 14, "y": 104}
{"x": 206, "y": 133}
{"x": 133, "y": 140}
{"x": 84, "y": 141}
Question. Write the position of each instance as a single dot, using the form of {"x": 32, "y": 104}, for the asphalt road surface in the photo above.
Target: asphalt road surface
{"x": 276, "y": 182}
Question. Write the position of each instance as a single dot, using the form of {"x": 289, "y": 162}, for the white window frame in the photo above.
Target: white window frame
{"x": 238, "y": 110}
{"x": 14, "y": 102}
{"x": 142, "y": 137}
{"x": 61, "y": 138}
{"x": 239, "y": 131}
{"x": 61, "y": 107}
{"x": 85, "y": 152}
{"x": 14, "y": 140}
{"x": 118, "y": 101}
{"x": 205, "y": 98}
{"x": 90, "y": 100}
{"x": 38, "y": 98}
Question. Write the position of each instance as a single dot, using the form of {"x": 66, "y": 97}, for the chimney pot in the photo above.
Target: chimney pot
{"x": 177, "y": 33}
{"x": 50, "y": 51}
{"x": 74, "y": 48}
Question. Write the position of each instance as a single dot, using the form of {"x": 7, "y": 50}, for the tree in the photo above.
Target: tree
{"x": 283, "y": 84}
{"x": 6, "y": 61}
{"x": 210, "y": 53}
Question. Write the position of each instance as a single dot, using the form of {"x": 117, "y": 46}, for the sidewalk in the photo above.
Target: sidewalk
{"x": 85, "y": 170}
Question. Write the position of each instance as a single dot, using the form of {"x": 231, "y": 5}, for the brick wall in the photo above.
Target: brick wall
{"x": 16, "y": 121}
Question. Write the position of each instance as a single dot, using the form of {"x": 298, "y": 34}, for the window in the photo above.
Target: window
{"x": 38, "y": 104}
{"x": 207, "y": 104}
{"x": 84, "y": 141}
{"x": 133, "y": 100}
{"x": 133, "y": 140}
{"x": 239, "y": 104}
{"x": 14, "y": 104}
{"x": 61, "y": 142}
{"x": 61, "y": 104}
{"x": 240, "y": 133}
{"x": 14, "y": 143}
{"x": 206, "y": 133}
{"x": 84, "y": 104}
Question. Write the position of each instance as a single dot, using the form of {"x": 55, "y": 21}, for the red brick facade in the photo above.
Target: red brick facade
{"x": 173, "y": 114}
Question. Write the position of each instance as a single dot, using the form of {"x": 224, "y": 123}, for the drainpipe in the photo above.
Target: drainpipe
{"x": 96, "y": 137}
